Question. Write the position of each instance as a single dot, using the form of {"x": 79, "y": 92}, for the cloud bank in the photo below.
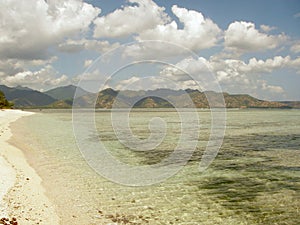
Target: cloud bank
{"x": 38, "y": 35}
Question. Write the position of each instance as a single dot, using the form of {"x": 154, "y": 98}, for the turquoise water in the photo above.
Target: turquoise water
{"x": 255, "y": 179}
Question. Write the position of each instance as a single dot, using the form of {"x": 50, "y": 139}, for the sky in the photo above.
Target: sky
{"x": 239, "y": 47}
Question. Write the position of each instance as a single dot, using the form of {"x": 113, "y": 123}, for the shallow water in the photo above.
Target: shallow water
{"x": 255, "y": 179}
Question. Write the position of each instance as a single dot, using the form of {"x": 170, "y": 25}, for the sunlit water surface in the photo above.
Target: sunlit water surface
{"x": 255, "y": 178}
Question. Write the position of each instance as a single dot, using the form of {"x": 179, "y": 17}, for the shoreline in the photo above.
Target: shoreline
{"x": 22, "y": 195}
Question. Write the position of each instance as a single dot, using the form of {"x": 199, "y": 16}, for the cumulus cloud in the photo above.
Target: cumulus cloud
{"x": 297, "y": 15}
{"x": 87, "y": 63}
{"x": 197, "y": 32}
{"x": 132, "y": 19}
{"x": 169, "y": 39}
{"x": 295, "y": 64}
{"x": 158, "y": 50}
{"x": 186, "y": 69}
{"x": 236, "y": 67}
{"x": 43, "y": 78}
{"x": 151, "y": 83}
{"x": 192, "y": 73}
{"x": 92, "y": 81}
{"x": 128, "y": 84}
{"x": 32, "y": 30}
{"x": 73, "y": 46}
{"x": 230, "y": 68}
{"x": 266, "y": 28}
{"x": 9, "y": 67}
{"x": 295, "y": 48}
{"x": 95, "y": 75}
{"x": 244, "y": 37}
{"x": 271, "y": 88}
{"x": 234, "y": 75}
{"x": 29, "y": 28}
{"x": 269, "y": 65}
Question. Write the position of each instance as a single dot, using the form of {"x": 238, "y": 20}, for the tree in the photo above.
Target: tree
{"x": 4, "y": 104}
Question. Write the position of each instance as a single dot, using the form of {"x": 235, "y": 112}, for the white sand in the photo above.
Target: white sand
{"x": 21, "y": 193}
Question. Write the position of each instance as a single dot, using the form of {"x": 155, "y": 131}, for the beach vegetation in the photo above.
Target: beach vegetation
{"x": 4, "y": 103}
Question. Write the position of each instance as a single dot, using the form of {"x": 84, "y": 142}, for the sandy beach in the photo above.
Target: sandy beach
{"x": 21, "y": 194}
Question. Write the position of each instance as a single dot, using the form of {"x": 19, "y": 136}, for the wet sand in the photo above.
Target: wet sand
{"x": 22, "y": 195}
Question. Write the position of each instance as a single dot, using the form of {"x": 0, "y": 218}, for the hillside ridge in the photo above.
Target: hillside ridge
{"x": 62, "y": 97}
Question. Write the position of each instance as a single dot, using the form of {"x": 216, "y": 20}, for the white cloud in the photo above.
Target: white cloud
{"x": 244, "y": 37}
{"x": 133, "y": 81}
{"x": 197, "y": 33}
{"x": 9, "y": 67}
{"x": 131, "y": 19}
{"x": 43, "y": 78}
{"x": 94, "y": 76}
{"x": 88, "y": 62}
{"x": 158, "y": 50}
{"x": 32, "y": 73}
{"x": 185, "y": 69}
{"x": 297, "y": 15}
{"x": 28, "y": 28}
{"x": 170, "y": 40}
{"x": 192, "y": 73}
{"x": 236, "y": 67}
{"x": 234, "y": 75}
{"x": 237, "y": 71}
{"x": 32, "y": 30}
{"x": 93, "y": 81}
{"x": 295, "y": 48}
{"x": 269, "y": 65}
{"x": 295, "y": 64}
{"x": 271, "y": 88}
{"x": 267, "y": 28}
{"x": 150, "y": 83}
{"x": 72, "y": 46}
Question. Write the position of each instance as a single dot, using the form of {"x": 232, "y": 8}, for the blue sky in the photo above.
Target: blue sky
{"x": 277, "y": 13}
{"x": 248, "y": 47}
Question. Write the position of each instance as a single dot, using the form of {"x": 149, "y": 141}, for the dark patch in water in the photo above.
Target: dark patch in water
{"x": 263, "y": 142}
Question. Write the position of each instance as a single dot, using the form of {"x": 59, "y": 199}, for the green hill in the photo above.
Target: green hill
{"x": 148, "y": 99}
{"x": 62, "y": 97}
{"x": 152, "y": 102}
{"x": 66, "y": 92}
{"x": 293, "y": 104}
{"x": 60, "y": 104}
{"x": 26, "y": 97}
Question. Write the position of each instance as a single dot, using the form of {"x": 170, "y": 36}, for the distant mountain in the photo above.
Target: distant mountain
{"x": 66, "y": 92}
{"x": 62, "y": 97}
{"x": 153, "y": 102}
{"x": 22, "y": 88}
{"x": 26, "y": 97}
{"x": 60, "y": 104}
{"x": 106, "y": 98}
{"x": 149, "y": 99}
{"x": 247, "y": 101}
{"x": 293, "y": 104}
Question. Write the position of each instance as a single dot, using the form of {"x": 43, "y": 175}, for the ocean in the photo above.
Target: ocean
{"x": 254, "y": 179}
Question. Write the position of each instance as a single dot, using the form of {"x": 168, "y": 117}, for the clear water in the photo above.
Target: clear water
{"x": 255, "y": 178}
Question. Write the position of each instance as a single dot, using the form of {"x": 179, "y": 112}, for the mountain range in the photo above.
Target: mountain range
{"x": 25, "y": 97}
{"x": 62, "y": 97}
